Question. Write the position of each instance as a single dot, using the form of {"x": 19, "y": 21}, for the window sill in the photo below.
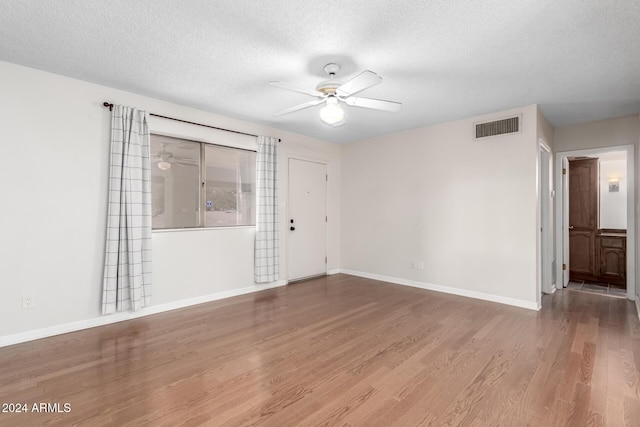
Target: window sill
{"x": 227, "y": 227}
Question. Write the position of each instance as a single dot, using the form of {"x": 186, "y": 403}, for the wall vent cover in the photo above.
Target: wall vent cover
{"x": 498, "y": 127}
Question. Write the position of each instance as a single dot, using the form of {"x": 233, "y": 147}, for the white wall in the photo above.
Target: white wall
{"x": 613, "y": 205}
{"x": 545, "y": 130}
{"x": 602, "y": 133}
{"x": 55, "y": 144}
{"x": 466, "y": 208}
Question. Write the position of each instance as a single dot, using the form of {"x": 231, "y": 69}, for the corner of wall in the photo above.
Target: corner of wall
{"x": 544, "y": 129}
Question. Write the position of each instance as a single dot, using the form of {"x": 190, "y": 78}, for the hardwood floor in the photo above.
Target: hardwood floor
{"x": 340, "y": 350}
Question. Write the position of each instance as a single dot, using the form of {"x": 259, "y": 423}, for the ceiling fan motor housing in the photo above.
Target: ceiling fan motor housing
{"x": 328, "y": 86}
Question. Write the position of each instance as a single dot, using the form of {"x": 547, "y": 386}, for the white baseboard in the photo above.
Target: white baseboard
{"x": 448, "y": 290}
{"x": 128, "y": 315}
{"x": 637, "y": 307}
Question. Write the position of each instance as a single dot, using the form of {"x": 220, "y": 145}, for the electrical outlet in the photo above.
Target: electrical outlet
{"x": 420, "y": 265}
{"x": 27, "y": 301}
{"x": 413, "y": 265}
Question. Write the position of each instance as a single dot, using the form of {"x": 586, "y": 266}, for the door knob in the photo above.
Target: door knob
{"x": 292, "y": 228}
{"x": 571, "y": 227}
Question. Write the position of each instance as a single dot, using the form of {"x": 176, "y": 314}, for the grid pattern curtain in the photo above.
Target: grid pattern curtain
{"x": 127, "y": 270}
{"x": 266, "y": 264}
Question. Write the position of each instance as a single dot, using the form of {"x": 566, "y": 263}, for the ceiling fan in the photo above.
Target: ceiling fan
{"x": 162, "y": 158}
{"x": 165, "y": 159}
{"x": 332, "y": 92}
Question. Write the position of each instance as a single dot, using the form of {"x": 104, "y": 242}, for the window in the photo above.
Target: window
{"x": 230, "y": 186}
{"x": 187, "y": 195}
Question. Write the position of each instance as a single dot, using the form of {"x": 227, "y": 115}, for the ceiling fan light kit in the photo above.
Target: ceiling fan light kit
{"x": 332, "y": 92}
{"x": 163, "y": 165}
{"x": 164, "y": 158}
{"x": 332, "y": 113}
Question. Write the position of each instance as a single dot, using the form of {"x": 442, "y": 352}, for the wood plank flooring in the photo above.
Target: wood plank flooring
{"x": 344, "y": 351}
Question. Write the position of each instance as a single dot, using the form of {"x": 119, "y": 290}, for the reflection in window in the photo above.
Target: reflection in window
{"x": 230, "y": 186}
{"x": 179, "y": 198}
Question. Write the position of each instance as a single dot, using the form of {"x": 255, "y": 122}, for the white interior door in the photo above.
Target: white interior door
{"x": 307, "y": 220}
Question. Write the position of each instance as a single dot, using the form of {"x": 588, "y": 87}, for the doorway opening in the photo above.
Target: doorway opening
{"x": 595, "y": 220}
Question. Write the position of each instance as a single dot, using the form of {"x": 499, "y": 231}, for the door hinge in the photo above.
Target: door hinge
{"x": 564, "y": 171}
{"x": 327, "y": 175}
{"x": 564, "y": 266}
{"x": 325, "y": 259}
{"x": 326, "y": 219}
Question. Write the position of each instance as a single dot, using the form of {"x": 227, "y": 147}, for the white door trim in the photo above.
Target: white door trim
{"x": 561, "y": 229}
{"x": 543, "y": 220}
{"x": 287, "y": 225}
{"x": 564, "y": 212}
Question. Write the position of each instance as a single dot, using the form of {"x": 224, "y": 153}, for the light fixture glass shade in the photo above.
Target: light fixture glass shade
{"x": 332, "y": 113}
{"x": 164, "y": 165}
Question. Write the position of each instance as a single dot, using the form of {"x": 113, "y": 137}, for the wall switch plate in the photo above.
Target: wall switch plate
{"x": 27, "y": 301}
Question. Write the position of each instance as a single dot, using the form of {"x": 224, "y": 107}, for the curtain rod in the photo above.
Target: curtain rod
{"x": 108, "y": 104}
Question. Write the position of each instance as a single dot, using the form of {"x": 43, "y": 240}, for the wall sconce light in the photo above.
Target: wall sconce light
{"x": 614, "y": 185}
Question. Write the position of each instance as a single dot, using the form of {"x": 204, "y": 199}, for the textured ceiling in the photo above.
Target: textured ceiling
{"x": 443, "y": 59}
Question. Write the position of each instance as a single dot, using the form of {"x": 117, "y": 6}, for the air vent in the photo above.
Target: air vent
{"x": 498, "y": 127}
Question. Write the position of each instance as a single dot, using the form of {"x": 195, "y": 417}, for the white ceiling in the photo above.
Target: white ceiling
{"x": 443, "y": 59}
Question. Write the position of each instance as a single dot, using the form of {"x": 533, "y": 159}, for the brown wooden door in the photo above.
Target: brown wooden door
{"x": 583, "y": 219}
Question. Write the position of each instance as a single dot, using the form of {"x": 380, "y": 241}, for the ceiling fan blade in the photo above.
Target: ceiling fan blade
{"x": 287, "y": 86}
{"x": 376, "y": 104}
{"x": 299, "y": 107}
{"x": 362, "y": 81}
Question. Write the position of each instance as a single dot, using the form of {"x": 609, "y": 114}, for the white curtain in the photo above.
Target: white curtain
{"x": 127, "y": 270}
{"x": 266, "y": 264}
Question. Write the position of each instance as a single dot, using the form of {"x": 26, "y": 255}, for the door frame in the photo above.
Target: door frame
{"x": 326, "y": 195}
{"x": 562, "y": 231}
{"x": 544, "y": 219}
{"x": 563, "y": 193}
